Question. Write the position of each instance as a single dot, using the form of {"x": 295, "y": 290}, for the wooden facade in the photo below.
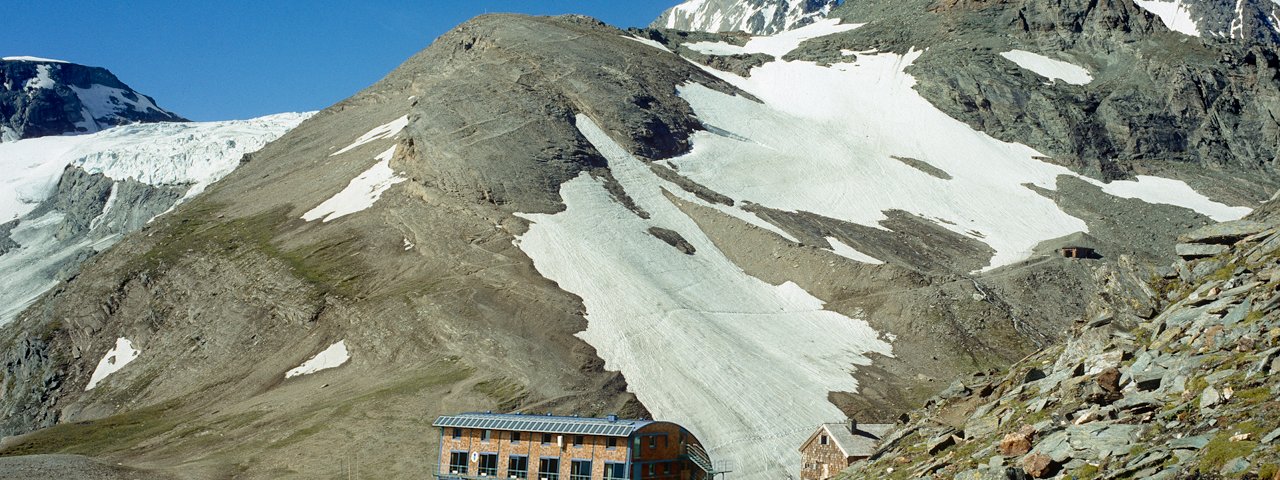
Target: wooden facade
{"x": 507, "y": 446}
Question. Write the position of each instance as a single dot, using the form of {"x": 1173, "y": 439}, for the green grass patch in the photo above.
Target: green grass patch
{"x": 1221, "y": 449}
{"x": 98, "y": 437}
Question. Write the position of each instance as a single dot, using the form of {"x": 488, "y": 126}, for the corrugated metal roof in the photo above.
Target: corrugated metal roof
{"x": 861, "y": 443}
{"x": 543, "y": 424}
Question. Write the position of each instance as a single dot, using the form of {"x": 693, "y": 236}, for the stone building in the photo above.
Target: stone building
{"x": 514, "y": 446}
{"x": 833, "y": 446}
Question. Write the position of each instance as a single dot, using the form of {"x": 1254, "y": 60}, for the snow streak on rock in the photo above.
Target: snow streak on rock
{"x": 113, "y": 361}
{"x": 383, "y": 131}
{"x": 332, "y": 357}
{"x": 1173, "y": 13}
{"x": 744, "y": 364}
{"x": 361, "y": 193}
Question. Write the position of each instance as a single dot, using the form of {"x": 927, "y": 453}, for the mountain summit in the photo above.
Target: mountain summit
{"x": 759, "y": 17}
{"x": 42, "y": 97}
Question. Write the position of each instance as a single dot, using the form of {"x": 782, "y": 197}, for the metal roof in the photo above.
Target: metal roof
{"x": 543, "y": 424}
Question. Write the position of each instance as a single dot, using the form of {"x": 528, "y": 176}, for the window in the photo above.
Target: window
{"x": 518, "y": 467}
{"x": 458, "y": 463}
{"x": 549, "y": 469}
{"x": 653, "y": 442}
{"x": 457, "y": 433}
{"x": 580, "y": 470}
{"x": 611, "y": 443}
{"x": 488, "y": 464}
{"x": 653, "y": 469}
{"x": 578, "y": 440}
{"x": 485, "y": 435}
{"x": 615, "y": 471}
{"x": 823, "y": 440}
{"x": 546, "y": 439}
{"x": 666, "y": 469}
{"x": 515, "y": 437}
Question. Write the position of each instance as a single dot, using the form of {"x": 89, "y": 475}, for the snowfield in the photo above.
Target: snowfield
{"x": 1049, "y": 68}
{"x": 751, "y": 362}
{"x": 776, "y": 45}
{"x": 332, "y": 357}
{"x": 113, "y": 361}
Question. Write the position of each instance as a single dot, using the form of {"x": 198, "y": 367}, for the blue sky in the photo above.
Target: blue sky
{"x": 226, "y": 59}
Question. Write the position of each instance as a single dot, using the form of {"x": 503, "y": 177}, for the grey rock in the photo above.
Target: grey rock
{"x": 1271, "y": 437}
{"x": 1196, "y": 250}
{"x": 1192, "y": 443}
{"x": 1208, "y": 398}
{"x": 1224, "y": 233}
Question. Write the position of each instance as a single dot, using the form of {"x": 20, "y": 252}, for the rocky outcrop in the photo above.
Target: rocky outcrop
{"x": 759, "y": 17}
{"x": 40, "y": 97}
{"x": 1187, "y": 394}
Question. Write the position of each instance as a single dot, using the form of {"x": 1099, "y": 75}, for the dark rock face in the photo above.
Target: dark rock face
{"x": 41, "y": 98}
{"x": 1244, "y": 21}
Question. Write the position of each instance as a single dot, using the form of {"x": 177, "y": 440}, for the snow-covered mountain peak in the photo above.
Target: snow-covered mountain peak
{"x": 759, "y": 17}
{"x": 41, "y": 97}
{"x": 1237, "y": 20}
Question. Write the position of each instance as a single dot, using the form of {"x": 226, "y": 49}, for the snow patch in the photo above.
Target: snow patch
{"x": 844, "y": 250}
{"x": 1049, "y": 68}
{"x": 407, "y": 244}
{"x": 378, "y": 133}
{"x": 1174, "y": 14}
{"x": 43, "y": 78}
{"x": 102, "y": 103}
{"x": 1171, "y": 192}
{"x": 331, "y": 357}
{"x": 113, "y": 361}
{"x": 32, "y": 59}
{"x": 755, "y": 361}
{"x": 361, "y": 193}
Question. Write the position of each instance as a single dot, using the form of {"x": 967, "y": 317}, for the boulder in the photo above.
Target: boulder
{"x": 1038, "y": 465}
{"x": 1017, "y": 443}
{"x": 1199, "y": 250}
{"x": 1224, "y": 233}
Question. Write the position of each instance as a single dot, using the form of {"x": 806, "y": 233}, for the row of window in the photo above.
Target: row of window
{"x": 547, "y": 438}
{"x": 518, "y": 467}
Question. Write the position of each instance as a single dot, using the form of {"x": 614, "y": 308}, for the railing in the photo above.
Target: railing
{"x": 580, "y": 477}
{"x": 517, "y": 473}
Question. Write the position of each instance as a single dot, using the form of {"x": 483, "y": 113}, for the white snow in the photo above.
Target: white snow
{"x": 42, "y": 78}
{"x": 113, "y": 361}
{"x": 776, "y": 45}
{"x": 1049, "y": 68}
{"x": 1171, "y": 192}
{"x": 706, "y": 16}
{"x": 378, "y": 133}
{"x": 361, "y": 193}
{"x": 831, "y": 154}
{"x": 650, "y": 42}
{"x": 844, "y": 250}
{"x": 331, "y": 357}
{"x": 408, "y": 245}
{"x": 32, "y": 59}
{"x": 101, "y": 104}
{"x": 1173, "y": 13}
{"x": 753, "y": 361}
{"x": 8, "y": 134}
{"x": 153, "y": 153}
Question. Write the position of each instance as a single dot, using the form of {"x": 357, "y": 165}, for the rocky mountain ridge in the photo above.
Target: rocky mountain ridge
{"x": 43, "y": 97}
{"x": 1190, "y": 392}
{"x": 481, "y": 231}
{"x": 757, "y": 17}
